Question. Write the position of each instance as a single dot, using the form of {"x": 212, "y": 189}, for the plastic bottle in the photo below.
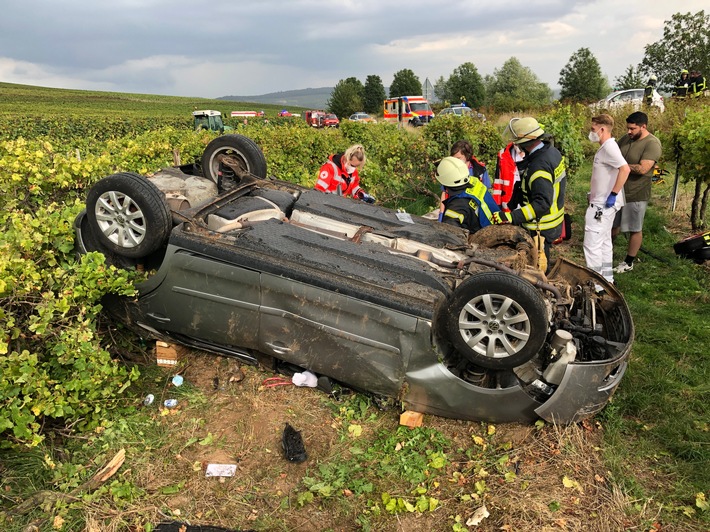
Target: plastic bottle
{"x": 564, "y": 351}
{"x": 170, "y": 403}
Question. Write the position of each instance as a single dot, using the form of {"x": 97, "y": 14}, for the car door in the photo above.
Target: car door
{"x": 200, "y": 296}
{"x": 359, "y": 343}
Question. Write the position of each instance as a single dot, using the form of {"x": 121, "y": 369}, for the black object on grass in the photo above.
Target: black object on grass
{"x": 292, "y": 442}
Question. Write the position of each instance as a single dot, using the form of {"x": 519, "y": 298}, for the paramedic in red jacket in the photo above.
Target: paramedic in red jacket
{"x": 340, "y": 174}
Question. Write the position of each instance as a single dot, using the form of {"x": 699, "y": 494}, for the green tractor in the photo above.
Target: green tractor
{"x": 210, "y": 120}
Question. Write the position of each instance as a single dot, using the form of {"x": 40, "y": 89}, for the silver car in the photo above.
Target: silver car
{"x": 457, "y": 325}
{"x": 632, "y": 98}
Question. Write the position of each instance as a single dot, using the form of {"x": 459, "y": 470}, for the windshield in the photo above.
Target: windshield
{"x": 419, "y": 106}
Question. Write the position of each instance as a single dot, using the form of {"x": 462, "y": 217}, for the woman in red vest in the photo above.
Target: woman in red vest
{"x": 340, "y": 174}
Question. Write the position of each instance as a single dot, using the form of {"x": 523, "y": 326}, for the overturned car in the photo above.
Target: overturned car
{"x": 457, "y": 325}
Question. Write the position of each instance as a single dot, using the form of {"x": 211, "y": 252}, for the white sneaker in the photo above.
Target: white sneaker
{"x": 623, "y": 267}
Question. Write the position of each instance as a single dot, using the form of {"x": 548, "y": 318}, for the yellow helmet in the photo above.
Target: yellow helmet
{"x": 452, "y": 172}
{"x": 520, "y": 130}
{"x": 684, "y": 71}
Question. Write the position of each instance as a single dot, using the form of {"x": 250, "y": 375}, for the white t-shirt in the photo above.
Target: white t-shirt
{"x": 607, "y": 162}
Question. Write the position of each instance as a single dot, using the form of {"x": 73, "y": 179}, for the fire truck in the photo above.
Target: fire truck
{"x": 315, "y": 118}
{"x": 412, "y": 110}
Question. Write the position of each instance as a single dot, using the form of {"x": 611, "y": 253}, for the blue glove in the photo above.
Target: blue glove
{"x": 611, "y": 200}
{"x": 501, "y": 217}
{"x": 367, "y": 198}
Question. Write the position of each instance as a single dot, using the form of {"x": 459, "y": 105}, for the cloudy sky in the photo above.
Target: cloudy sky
{"x": 252, "y": 47}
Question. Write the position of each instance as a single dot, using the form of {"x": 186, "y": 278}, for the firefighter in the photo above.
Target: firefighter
{"x": 697, "y": 84}
{"x": 680, "y": 90}
{"x": 340, "y": 174}
{"x": 648, "y": 90}
{"x": 542, "y": 186}
{"x": 468, "y": 203}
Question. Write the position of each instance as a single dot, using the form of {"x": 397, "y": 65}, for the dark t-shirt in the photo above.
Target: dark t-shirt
{"x": 638, "y": 187}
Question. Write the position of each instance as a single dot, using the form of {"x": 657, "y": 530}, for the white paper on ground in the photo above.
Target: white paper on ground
{"x": 221, "y": 470}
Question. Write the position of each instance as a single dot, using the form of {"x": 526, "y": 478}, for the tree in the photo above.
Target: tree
{"x": 405, "y": 83}
{"x": 374, "y": 94}
{"x": 685, "y": 44}
{"x": 347, "y": 97}
{"x": 515, "y": 87}
{"x": 440, "y": 90}
{"x": 631, "y": 79}
{"x": 465, "y": 84}
{"x": 581, "y": 79}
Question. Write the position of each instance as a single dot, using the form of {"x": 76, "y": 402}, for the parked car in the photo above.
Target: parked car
{"x": 331, "y": 120}
{"x": 447, "y": 323}
{"x": 460, "y": 110}
{"x": 629, "y": 97}
{"x": 362, "y": 117}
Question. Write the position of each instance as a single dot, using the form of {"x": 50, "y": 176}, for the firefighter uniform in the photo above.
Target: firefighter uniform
{"x": 543, "y": 181}
{"x": 470, "y": 206}
{"x": 680, "y": 90}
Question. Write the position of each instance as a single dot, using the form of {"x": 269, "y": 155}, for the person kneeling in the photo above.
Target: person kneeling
{"x": 467, "y": 202}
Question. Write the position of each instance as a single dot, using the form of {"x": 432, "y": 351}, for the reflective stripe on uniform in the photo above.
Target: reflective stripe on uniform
{"x": 453, "y": 214}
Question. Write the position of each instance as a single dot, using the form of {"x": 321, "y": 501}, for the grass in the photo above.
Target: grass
{"x": 642, "y": 464}
{"x": 49, "y": 101}
{"x": 657, "y": 438}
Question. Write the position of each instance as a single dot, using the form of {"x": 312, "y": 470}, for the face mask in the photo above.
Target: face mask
{"x": 349, "y": 168}
{"x": 593, "y": 136}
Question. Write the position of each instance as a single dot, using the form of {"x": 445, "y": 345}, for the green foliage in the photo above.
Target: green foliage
{"x": 406, "y": 460}
{"x": 397, "y": 170}
{"x": 565, "y": 123}
{"x": 685, "y": 45}
{"x": 464, "y": 84}
{"x": 630, "y": 79}
{"x": 693, "y": 139}
{"x": 514, "y": 87}
{"x": 347, "y": 97}
{"x": 54, "y": 368}
{"x": 657, "y": 425}
{"x": 374, "y": 95}
{"x": 581, "y": 78}
{"x": 405, "y": 83}
{"x": 483, "y": 136}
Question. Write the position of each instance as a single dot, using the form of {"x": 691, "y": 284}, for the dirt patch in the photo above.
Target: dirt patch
{"x": 536, "y": 478}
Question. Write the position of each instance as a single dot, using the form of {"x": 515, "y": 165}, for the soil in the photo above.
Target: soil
{"x": 560, "y": 481}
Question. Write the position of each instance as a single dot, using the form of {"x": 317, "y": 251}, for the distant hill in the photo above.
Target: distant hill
{"x": 310, "y": 98}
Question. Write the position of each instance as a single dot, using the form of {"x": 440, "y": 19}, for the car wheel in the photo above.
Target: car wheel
{"x": 689, "y": 245}
{"x": 241, "y": 151}
{"x": 495, "y": 320}
{"x": 128, "y": 214}
{"x": 507, "y": 236}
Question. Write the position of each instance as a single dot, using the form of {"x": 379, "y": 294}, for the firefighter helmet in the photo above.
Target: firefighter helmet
{"x": 522, "y": 130}
{"x": 653, "y": 78}
{"x": 452, "y": 172}
{"x": 684, "y": 71}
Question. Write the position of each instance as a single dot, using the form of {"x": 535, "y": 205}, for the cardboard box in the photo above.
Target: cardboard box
{"x": 167, "y": 355}
{"x": 411, "y": 419}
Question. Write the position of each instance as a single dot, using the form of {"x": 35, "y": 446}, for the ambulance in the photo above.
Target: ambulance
{"x": 412, "y": 110}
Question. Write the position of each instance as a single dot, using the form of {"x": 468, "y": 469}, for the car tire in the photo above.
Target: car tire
{"x": 247, "y": 153}
{"x": 507, "y": 235}
{"x": 128, "y": 214}
{"x": 472, "y": 322}
{"x": 688, "y": 246}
